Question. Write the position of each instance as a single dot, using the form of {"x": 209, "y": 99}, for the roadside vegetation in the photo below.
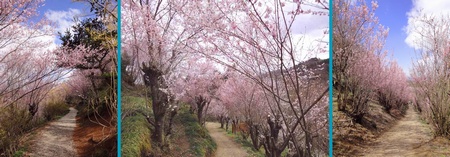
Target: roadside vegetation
{"x": 40, "y": 80}
{"x": 189, "y": 138}
{"x": 241, "y": 62}
{"x": 371, "y": 92}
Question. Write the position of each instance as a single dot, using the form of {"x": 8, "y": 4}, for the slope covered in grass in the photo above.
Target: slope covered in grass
{"x": 188, "y": 137}
{"x": 135, "y": 128}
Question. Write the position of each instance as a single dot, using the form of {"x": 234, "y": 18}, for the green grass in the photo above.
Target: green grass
{"x": 135, "y": 129}
{"x": 247, "y": 145}
{"x": 20, "y": 152}
{"x": 201, "y": 144}
{"x": 55, "y": 110}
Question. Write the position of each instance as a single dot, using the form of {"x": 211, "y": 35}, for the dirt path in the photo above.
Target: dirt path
{"x": 225, "y": 145}
{"x": 56, "y": 138}
{"x": 403, "y": 138}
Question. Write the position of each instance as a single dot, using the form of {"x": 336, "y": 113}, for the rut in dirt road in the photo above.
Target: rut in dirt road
{"x": 56, "y": 138}
{"x": 402, "y": 139}
{"x": 225, "y": 145}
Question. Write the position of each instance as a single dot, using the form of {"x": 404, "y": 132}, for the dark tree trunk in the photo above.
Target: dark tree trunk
{"x": 234, "y": 124}
{"x": 271, "y": 138}
{"x": 201, "y": 104}
{"x": 153, "y": 79}
{"x": 222, "y": 121}
{"x": 33, "y": 108}
{"x": 227, "y": 120}
{"x": 173, "y": 112}
{"x": 254, "y": 136}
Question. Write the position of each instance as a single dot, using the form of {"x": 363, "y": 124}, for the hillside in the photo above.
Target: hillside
{"x": 319, "y": 67}
{"x": 382, "y": 134}
{"x": 188, "y": 137}
{"x": 315, "y": 67}
{"x": 350, "y": 137}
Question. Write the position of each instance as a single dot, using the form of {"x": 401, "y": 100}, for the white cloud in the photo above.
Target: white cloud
{"x": 311, "y": 32}
{"x": 308, "y": 32}
{"x": 306, "y": 23}
{"x": 435, "y": 7}
{"x": 313, "y": 44}
{"x": 63, "y": 19}
{"x": 27, "y": 40}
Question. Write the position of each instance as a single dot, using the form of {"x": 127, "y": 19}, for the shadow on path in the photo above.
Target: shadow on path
{"x": 56, "y": 138}
{"x": 402, "y": 139}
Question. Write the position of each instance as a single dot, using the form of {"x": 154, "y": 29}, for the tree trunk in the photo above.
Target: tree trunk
{"x": 234, "y": 124}
{"x": 271, "y": 139}
{"x": 254, "y": 136}
{"x": 153, "y": 79}
{"x": 222, "y": 121}
{"x": 227, "y": 120}
{"x": 201, "y": 103}
{"x": 157, "y": 134}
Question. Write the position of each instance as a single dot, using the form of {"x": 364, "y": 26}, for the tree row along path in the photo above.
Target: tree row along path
{"x": 403, "y": 138}
{"x": 225, "y": 145}
{"x": 56, "y": 138}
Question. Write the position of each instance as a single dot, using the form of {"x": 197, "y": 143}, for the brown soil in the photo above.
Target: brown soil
{"x": 436, "y": 147}
{"x": 179, "y": 143}
{"x": 350, "y": 138}
{"x": 92, "y": 139}
{"x": 389, "y": 136}
{"x": 55, "y": 138}
{"x": 225, "y": 145}
{"x": 409, "y": 137}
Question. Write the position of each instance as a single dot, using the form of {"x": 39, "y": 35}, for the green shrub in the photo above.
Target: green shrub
{"x": 135, "y": 128}
{"x": 14, "y": 122}
{"x": 54, "y": 110}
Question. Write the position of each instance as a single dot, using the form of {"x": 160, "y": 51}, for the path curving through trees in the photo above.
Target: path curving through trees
{"x": 225, "y": 145}
{"x": 403, "y": 138}
{"x": 56, "y": 138}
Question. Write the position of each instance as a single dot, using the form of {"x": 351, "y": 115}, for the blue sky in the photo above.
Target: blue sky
{"x": 393, "y": 14}
{"x": 62, "y": 5}
{"x": 399, "y": 16}
{"x": 62, "y": 12}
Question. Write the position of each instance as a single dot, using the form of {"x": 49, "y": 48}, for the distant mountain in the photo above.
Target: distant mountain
{"x": 315, "y": 66}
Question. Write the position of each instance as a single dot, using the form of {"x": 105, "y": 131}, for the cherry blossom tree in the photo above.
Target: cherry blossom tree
{"x": 394, "y": 92}
{"x": 22, "y": 73}
{"x": 89, "y": 50}
{"x": 431, "y": 75}
{"x": 255, "y": 39}
{"x": 28, "y": 69}
{"x": 252, "y": 38}
{"x": 199, "y": 86}
{"x": 245, "y": 100}
{"x": 358, "y": 56}
{"x": 155, "y": 37}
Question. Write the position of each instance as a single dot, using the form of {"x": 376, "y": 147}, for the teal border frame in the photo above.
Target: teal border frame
{"x": 330, "y": 84}
{"x": 119, "y": 80}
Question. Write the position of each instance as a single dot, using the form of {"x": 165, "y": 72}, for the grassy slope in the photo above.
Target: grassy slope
{"x": 246, "y": 144}
{"x": 201, "y": 144}
{"x": 135, "y": 129}
{"x": 188, "y": 139}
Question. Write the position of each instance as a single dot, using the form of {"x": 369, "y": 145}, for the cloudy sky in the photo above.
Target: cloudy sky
{"x": 310, "y": 30}
{"x": 61, "y": 13}
{"x": 397, "y": 15}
